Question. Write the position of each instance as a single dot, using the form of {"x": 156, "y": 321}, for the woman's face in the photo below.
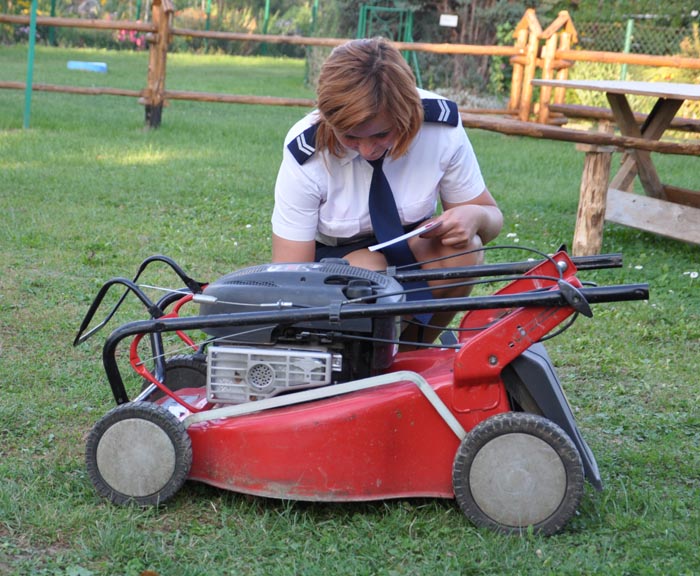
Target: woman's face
{"x": 370, "y": 139}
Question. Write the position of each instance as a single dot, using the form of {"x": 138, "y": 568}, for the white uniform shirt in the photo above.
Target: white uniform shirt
{"x": 327, "y": 197}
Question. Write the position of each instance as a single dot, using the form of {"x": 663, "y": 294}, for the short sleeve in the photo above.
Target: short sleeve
{"x": 297, "y": 201}
{"x": 462, "y": 180}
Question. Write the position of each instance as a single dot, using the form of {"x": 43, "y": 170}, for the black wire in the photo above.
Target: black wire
{"x": 481, "y": 281}
{"x": 570, "y": 323}
{"x": 543, "y": 255}
{"x": 561, "y": 329}
{"x": 464, "y": 283}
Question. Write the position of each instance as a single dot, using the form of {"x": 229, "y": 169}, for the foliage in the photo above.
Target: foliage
{"x": 87, "y": 193}
{"x": 676, "y": 13}
{"x": 241, "y": 20}
{"x": 500, "y": 71}
{"x": 295, "y": 20}
{"x": 477, "y": 24}
{"x": 285, "y": 18}
{"x": 689, "y": 48}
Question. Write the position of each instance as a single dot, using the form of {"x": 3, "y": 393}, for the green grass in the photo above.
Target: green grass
{"x": 87, "y": 193}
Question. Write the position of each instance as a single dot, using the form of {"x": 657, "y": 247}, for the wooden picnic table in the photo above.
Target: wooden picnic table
{"x": 662, "y": 209}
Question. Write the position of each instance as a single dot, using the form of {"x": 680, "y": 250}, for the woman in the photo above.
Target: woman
{"x": 371, "y": 112}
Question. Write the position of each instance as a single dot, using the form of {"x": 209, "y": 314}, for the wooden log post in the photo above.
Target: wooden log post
{"x": 593, "y": 195}
{"x": 533, "y": 47}
{"x": 558, "y": 36}
{"x": 516, "y": 83}
{"x": 565, "y": 40}
{"x": 548, "y": 53}
{"x": 154, "y": 99}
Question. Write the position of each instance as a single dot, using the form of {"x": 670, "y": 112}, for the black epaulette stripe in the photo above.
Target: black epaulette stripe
{"x": 304, "y": 145}
{"x": 441, "y": 111}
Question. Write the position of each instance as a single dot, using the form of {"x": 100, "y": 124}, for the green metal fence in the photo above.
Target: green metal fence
{"x": 640, "y": 36}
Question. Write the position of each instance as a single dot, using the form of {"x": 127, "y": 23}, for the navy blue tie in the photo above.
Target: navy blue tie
{"x": 386, "y": 223}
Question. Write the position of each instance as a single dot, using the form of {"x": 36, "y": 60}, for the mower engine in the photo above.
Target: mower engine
{"x": 253, "y": 362}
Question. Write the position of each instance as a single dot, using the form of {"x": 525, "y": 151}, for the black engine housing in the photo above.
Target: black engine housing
{"x": 305, "y": 285}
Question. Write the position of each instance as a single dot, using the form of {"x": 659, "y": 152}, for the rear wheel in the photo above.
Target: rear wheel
{"x": 138, "y": 452}
{"x": 517, "y": 470}
{"x": 182, "y": 371}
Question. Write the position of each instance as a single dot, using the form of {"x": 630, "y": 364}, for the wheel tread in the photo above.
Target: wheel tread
{"x": 169, "y": 423}
{"x": 519, "y": 422}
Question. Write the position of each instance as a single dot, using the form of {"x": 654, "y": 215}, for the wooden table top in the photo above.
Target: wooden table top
{"x": 670, "y": 90}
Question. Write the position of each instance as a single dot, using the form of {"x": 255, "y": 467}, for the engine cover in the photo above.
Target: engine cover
{"x": 308, "y": 285}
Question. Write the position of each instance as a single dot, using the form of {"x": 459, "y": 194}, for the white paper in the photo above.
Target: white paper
{"x": 415, "y": 232}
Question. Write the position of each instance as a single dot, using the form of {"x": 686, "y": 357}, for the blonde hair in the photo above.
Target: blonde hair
{"x": 359, "y": 80}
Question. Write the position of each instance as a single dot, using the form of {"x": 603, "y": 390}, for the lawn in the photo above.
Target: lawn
{"x": 87, "y": 193}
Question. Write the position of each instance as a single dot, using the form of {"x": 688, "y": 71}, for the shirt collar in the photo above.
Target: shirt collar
{"x": 351, "y": 155}
{"x": 348, "y": 157}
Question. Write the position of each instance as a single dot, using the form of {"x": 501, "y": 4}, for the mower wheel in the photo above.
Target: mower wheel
{"x": 516, "y": 470}
{"x": 182, "y": 371}
{"x": 138, "y": 452}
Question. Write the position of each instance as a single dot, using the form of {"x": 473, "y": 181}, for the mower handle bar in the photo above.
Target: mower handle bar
{"x": 334, "y": 313}
{"x": 594, "y": 262}
{"x": 477, "y": 271}
{"x": 156, "y": 310}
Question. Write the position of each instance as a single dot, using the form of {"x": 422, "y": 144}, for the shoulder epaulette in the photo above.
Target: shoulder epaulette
{"x": 440, "y": 110}
{"x": 303, "y": 146}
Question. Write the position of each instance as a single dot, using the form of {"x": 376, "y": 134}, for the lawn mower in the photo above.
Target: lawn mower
{"x": 290, "y": 381}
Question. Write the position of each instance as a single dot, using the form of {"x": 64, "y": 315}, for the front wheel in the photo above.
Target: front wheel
{"x": 516, "y": 470}
{"x": 138, "y": 452}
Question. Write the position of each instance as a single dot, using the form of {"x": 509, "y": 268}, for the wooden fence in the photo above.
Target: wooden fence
{"x": 545, "y": 53}
{"x": 160, "y": 32}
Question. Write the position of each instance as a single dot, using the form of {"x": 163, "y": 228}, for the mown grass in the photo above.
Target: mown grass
{"x": 87, "y": 193}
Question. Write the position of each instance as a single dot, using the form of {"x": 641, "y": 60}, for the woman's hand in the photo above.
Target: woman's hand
{"x": 461, "y": 223}
{"x": 458, "y": 226}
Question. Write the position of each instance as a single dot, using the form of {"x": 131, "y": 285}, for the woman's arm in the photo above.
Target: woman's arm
{"x": 284, "y": 250}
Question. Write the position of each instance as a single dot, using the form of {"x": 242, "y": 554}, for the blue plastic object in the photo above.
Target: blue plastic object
{"x": 88, "y": 66}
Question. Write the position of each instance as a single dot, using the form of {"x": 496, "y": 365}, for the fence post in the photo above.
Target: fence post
{"x": 161, "y": 14}
{"x": 528, "y": 75}
{"x": 560, "y": 32}
{"x": 565, "y": 40}
{"x": 628, "y": 43}
{"x": 550, "y": 49}
{"x": 30, "y": 65}
{"x": 516, "y": 83}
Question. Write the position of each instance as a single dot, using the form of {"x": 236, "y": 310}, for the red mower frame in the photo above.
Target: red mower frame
{"x": 483, "y": 420}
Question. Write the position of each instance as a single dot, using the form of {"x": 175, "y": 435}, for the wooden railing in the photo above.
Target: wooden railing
{"x": 159, "y": 34}
{"x": 547, "y": 53}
